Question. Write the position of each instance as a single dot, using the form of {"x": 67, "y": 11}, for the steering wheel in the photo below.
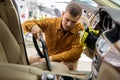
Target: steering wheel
{"x": 45, "y": 52}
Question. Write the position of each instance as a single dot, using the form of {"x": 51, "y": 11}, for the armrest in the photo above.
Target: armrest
{"x": 18, "y": 72}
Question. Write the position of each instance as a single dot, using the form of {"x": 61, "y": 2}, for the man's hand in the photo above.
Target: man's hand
{"x": 43, "y": 59}
{"x": 36, "y": 31}
{"x": 36, "y": 58}
{"x": 33, "y": 58}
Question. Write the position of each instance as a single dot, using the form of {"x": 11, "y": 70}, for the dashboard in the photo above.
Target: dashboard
{"x": 102, "y": 45}
{"x": 89, "y": 17}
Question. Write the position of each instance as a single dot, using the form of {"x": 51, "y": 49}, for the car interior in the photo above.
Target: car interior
{"x": 107, "y": 54}
{"x": 14, "y": 64}
{"x": 13, "y": 57}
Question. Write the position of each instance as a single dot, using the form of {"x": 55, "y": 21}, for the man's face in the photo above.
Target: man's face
{"x": 69, "y": 21}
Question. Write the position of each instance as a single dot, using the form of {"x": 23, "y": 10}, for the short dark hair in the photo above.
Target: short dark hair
{"x": 74, "y": 9}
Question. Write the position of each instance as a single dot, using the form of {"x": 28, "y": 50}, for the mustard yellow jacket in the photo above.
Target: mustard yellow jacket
{"x": 61, "y": 47}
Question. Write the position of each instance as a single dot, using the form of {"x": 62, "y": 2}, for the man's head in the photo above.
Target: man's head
{"x": 71, "y": 15}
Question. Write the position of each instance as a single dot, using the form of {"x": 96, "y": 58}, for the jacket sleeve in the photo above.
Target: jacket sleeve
{"x": 71, "y": 55}
{"x": 27, "y": 25}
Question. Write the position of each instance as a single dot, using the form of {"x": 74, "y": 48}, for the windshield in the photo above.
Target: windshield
{"x": 117, "y": 2}
{"x": 87, "y": 2}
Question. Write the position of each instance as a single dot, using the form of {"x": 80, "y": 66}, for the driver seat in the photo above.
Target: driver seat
{"x": 13, "y": 58}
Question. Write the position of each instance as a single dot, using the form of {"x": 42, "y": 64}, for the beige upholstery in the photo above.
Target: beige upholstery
{"x": 2, "y": 54}
{"x": 10, "y": 53}
{"x": 117, "y": 45}
{"x": 18, "y": 75}
{"x": 56, "y": 67}
{"x": 108, "y": 72}
{"x": 13, "y": 59}
{"x": 9, "y": 44}
{"x": 9, "y": 15}
{"x": 18, "y": 72}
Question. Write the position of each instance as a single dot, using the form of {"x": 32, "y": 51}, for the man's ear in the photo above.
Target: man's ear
{"x": 63, "y": 13}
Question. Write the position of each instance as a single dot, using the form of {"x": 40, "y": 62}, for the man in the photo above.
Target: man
{"x": 61, "y": 35}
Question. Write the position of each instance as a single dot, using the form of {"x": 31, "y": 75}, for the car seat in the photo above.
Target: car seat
{"x": 14, "y": 64}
